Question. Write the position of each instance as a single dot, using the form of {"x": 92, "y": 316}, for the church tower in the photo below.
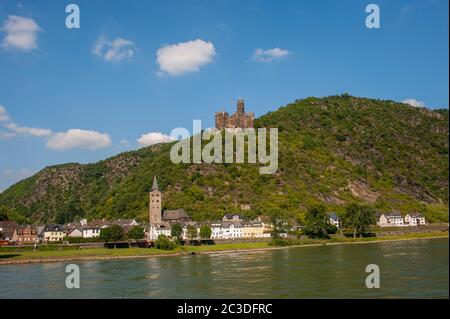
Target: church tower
{"x": 155, "y": 203}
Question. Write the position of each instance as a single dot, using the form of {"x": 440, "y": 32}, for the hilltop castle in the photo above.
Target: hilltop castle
{"x": 239, "y": 119}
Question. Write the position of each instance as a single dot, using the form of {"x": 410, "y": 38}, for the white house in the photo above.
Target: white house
{"x": 216, "y": 230}
{"x": 232, "y": 230}
{"x": 334, "y": 220}
{"x": 91, "y": 232}
{"x": 394, "y": 219}
{"x": 159, "y": 229}
{"x": 415, "y": 219}
{"x": 54, "y": 233}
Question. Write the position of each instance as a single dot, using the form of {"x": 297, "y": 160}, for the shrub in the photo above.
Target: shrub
{"x": 164, "y": 243}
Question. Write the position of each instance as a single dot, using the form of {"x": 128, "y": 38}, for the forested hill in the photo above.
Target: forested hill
{"x": 333, "y": 150}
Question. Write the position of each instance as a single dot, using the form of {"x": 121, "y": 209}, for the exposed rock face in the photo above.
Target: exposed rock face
{"x": 360, "y": 189}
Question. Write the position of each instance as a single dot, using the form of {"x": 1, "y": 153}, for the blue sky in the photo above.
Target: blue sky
{"x": 137, "y": 67}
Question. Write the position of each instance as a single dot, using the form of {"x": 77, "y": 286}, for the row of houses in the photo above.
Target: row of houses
{"x": 13, "y": 233}
{"x": 232, "y": 226}
{"x": 395, "y": 219}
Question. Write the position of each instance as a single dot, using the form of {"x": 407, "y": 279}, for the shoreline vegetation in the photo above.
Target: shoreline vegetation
{"x": 9, "y": 256}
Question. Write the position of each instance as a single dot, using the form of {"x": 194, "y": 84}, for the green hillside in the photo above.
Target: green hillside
{"x": 333, "y": 150}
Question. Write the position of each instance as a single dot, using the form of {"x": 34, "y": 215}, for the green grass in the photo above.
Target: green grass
{"x": 10, "y": 254}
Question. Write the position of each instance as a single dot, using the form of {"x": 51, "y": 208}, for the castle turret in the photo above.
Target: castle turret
{"x": 240, "y": 106}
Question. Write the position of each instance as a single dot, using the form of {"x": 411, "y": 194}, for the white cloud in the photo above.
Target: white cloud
{"x": 33, "y": 131}
{"x": 153, "y": 138}
{"x": 21, "y": 33}
{"x": 3, "y": 116}
{"x": 184, "y": 57}
{"x": 414, "y": 102}
{"x": 76, "y": 138}
{"x": 115, "y": 50}
{"x": 269, "y": 55}
{"x": 6, "y": 135}
{"x": 60, "y": 141}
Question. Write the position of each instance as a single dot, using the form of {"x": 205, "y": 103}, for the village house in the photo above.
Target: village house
{"x": 125, "y": 223}
{"x": 91, "y": 232}
{"x": 252, "y": 229}
{"x": 93, "y": 228}
{"x": 334, "y": 220}
{"x": 393, "y": 219}
{"x": 159, "y": 229}
{"x": 415, "y": 219}
{"x": 7, "y": 230}
{"x": 232, "y": 218}
{"x": 25, "y": 235}
{"x": 54, "y": 233}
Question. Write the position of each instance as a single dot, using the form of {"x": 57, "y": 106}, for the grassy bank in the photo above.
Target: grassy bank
{"x": 10, "y": 256}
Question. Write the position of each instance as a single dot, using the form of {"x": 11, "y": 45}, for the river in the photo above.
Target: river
{"x": 408, "y": 269}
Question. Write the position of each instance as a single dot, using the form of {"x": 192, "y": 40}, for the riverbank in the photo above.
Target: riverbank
{"x": 26, "y": 257}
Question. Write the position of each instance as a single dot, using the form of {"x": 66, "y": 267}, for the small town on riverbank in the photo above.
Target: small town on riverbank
{"x": 171, "y": 226}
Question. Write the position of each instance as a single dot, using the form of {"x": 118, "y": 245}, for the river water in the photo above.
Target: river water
{"x": 408, "y": 269}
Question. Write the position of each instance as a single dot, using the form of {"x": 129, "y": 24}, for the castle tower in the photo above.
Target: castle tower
{"x": 155, "y": 203}
{"x": 240, "y": 107}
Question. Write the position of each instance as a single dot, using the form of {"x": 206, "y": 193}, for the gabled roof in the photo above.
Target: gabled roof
{"x": 416, "y": 215}
{"x": 175, "y": 214}
{"x": 333, "y": 216}
{"x": 5, "y": 224}
{"x": 54, "y": 227}
{"x": 393, "y": 215}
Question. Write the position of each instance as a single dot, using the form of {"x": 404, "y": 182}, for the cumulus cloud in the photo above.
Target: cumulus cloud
{"x": 33, "y": 131}
{"x": 184, "y": 57}
{"x": 76, "y": 138}
{"x": 269, "y": 55}
{"x": 3, "y": 116}
{"x": 153, "y": 138}
{"x": 115, "y": 50}
{"x": 414, "y": 102}
{"x": 60, "y": 141}
{"x": 21, "y": 33}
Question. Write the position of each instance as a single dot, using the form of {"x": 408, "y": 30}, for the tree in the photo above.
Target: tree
{"x": 176, "y": 231}
{"x": 164, "y": 243}
{"x": 279, "y": 222}
{"x": 112, "y": 233}
{"x": 136, "y": 232}
{"x": 4, "y": 213}
{"x": 192, "y": 232}
{"x": 359, "y": 218}
{"x": 205, "y": 232}
{"x": 316, "y": 224}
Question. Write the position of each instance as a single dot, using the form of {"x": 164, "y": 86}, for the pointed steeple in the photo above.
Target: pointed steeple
{"x": 155, "y": 184}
